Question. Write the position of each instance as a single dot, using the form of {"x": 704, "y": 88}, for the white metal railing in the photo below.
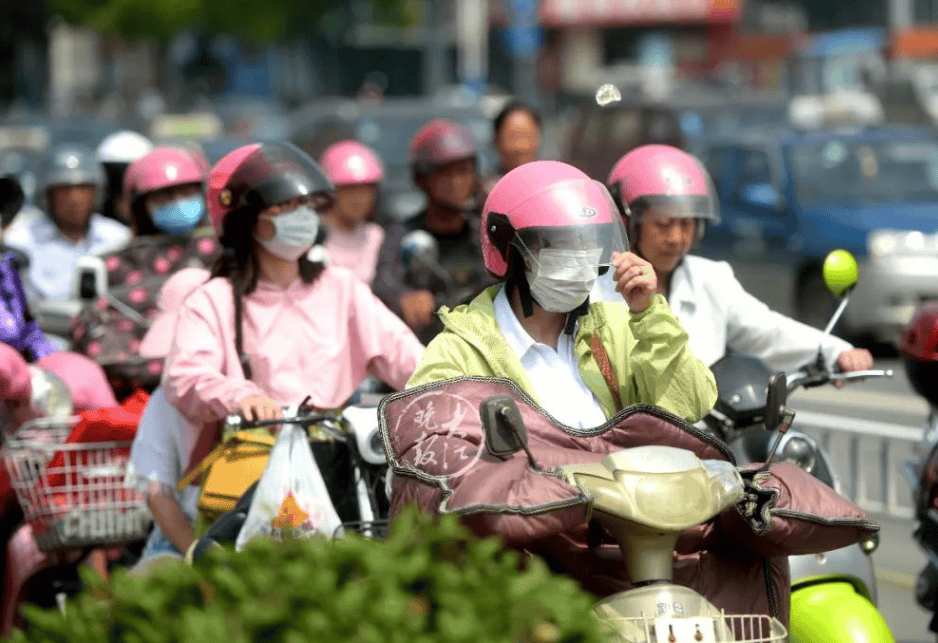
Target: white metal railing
{"x": 868, "y": 457}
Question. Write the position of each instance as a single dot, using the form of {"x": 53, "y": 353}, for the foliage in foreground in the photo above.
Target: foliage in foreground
{"x": 427, "y": 582}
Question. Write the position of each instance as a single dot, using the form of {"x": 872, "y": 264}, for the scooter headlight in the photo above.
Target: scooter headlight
{"x": 51, "y": 396}
{"x": 800, "y": 452}
{"x": 869, "y": 544}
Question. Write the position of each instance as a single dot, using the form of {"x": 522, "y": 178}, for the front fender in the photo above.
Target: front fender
{"x": 833, "y": 612}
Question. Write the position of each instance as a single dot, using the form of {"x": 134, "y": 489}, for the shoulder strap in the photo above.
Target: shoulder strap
{"x": 605, "y": 367}
{"x": 209, "y": 437}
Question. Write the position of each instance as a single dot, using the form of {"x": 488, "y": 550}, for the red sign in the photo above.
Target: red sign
{"x": 564, "y": 13}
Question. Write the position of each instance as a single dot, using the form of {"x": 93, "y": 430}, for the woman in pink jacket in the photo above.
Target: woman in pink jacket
{"x": 273, "y": 326}
{"x": 354, "y": 240}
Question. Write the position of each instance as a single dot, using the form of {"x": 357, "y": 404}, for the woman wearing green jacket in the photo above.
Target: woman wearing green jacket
{"x": 549, "y": 231}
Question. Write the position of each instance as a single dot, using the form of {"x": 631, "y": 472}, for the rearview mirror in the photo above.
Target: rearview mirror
{"x": 840, "y": 272}
{"x": 763, "y": 195}
{"x": 86, "y": 286}
{"x": 503, "y": 425}
{"x": 419, "y": 248}
{"x": 775, "y": 398}
{"x": 90, "y": 278}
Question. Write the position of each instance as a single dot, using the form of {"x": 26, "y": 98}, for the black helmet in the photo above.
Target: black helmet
{"x": 262, "y": 175}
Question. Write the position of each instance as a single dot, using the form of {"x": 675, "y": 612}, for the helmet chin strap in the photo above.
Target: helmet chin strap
{"x": 516, "y": 278}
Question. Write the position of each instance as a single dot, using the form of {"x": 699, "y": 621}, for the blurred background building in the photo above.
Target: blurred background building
{"x": 548, "y": 49}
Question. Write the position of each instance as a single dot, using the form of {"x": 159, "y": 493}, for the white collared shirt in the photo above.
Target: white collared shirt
{"x": 555, "y": 374}
{"x": 161, "y": 451}
{"x": 53, "y": 256}
{"x": 718, "y": 314}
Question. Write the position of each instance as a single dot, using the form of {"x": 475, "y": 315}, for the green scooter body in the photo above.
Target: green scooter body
{"x": 833, "y": 611}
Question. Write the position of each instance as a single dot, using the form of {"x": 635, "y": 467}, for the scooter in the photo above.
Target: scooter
{"x": 349, "y": 454}
{"x": 626, "y": 489}
{"x": 420, "y": 256}
{"x": 833, "y": 594}
{"x": 67, "y": 474}
{"x": 919, "y": 349}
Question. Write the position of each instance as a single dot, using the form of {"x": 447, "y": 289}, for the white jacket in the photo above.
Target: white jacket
{"x": 718, "y": 315}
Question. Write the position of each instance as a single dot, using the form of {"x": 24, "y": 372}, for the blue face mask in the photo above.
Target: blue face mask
{"x": 179, "y": 216}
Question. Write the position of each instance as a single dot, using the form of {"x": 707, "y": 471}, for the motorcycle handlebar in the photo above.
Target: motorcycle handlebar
{"x": 236, "y": 421}
{"x": 811, "y": 380}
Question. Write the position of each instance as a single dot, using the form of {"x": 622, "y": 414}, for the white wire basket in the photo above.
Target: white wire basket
{"x": 737, "y": 628}
{"x": 79, "y": 499}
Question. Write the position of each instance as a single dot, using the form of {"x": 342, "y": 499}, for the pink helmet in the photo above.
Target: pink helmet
{"x": 351, "y": 163}
{"x": 549, "y": 203}
{"x": 653, "y": 174}
{"x": 162, "y": 167}
{"x": 440, "y": 142}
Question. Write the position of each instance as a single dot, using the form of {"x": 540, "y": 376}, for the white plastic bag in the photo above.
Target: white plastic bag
{"x": 291, "y": 496}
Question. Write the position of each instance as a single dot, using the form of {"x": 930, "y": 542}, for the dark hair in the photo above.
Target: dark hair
{"x": 140, "y": 218}
{"x": 509, "y": 109}
{"x": 238, "y": 263}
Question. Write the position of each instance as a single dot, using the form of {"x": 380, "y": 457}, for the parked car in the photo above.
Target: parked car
{"x": 387, "y": 127}
{"x": 602, "y": 134}
{"x": 789, "y": 198}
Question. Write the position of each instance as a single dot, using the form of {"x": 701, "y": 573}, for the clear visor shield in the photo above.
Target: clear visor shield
{"x": 582, "y": 228}
{"x": 679, "y": 194}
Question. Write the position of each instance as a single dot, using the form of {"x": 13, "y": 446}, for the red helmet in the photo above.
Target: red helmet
{"x": 261, "y": 175}
{"x": 662, "y": 174}
{"x": 548, "y": 203}
{"x": 440, "y": 142}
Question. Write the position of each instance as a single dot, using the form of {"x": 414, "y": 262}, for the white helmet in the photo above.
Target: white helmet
{"x": 123, "y": 147}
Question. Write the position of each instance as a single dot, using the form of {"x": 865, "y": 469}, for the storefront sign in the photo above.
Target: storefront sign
{"x": 558, "y": 13}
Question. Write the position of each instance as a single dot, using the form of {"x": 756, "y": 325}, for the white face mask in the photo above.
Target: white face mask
{"x": 562, "y": 279}
{"x": 294, "y": 233}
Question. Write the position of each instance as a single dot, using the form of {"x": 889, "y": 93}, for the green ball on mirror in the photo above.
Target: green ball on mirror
{"x": 840, "y": 272}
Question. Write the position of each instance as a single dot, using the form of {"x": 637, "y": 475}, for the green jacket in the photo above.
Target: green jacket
{"x": 648, "y": 352}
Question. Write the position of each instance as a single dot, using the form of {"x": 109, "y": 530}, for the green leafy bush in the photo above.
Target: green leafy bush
{"x": 427, "y": 582}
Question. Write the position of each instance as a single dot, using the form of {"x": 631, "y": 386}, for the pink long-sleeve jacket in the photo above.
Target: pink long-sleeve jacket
{"x": 319, "y": 339}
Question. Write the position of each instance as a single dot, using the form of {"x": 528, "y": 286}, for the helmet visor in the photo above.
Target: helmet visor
{"x": 675, "y": 207}
{"x": 585, "y": 220}
{"x": 676, "y": 191}
{"x": 277, "y": 173}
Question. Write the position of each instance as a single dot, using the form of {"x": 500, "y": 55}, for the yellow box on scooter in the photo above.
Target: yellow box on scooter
{"x": 229, "y": 470}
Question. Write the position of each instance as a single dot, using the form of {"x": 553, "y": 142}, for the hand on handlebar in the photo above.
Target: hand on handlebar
{"x": 855, "y": 359}
{"x": 418, "y": 307}
{"x": 260, "y": 408}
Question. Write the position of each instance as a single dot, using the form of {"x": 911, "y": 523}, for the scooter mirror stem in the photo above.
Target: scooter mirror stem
{"x": 837, "y": 314}
{"x": 524, "y": 443}
{"x": 788, "y": 416}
